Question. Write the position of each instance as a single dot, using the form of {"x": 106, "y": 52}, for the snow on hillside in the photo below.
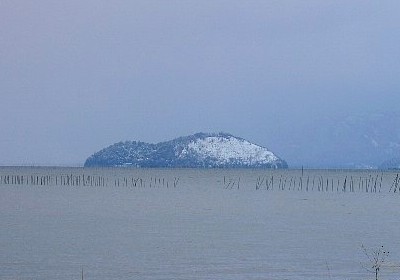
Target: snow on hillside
{"x": 228, "y": 149}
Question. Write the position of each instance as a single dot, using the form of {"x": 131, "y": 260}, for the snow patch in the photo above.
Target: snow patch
{"x": 230, "y": 149}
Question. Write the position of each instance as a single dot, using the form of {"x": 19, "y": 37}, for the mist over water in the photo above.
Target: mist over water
{"x": 316, "y": 82}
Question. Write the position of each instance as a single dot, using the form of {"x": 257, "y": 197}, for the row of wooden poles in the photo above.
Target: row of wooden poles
{"x": 368, "y": 184}
{"x": 48, "y": 180}
{"x": 153, "y": 182}
{"x": 87, "y": 181}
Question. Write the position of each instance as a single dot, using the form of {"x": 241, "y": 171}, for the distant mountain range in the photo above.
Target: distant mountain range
{"x": 206, "y": 150}
{"x": 393, "y": 163}
{"x": 352, "y": 141}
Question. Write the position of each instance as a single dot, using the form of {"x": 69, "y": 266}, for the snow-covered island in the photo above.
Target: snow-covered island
{"x": 206, "y": 150}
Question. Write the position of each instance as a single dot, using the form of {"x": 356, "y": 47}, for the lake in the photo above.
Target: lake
{"x": 196, "y": 223}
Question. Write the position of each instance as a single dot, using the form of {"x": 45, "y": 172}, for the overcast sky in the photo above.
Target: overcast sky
{"x": 77, "y": 76}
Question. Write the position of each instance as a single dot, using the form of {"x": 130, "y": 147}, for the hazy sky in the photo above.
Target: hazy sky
{"x": 77, "y": 76}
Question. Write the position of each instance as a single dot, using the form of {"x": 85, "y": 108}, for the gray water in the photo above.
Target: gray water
{"x": 196, "y": 224}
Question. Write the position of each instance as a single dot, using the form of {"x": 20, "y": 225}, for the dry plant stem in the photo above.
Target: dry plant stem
{"x": 376, "y": 259}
